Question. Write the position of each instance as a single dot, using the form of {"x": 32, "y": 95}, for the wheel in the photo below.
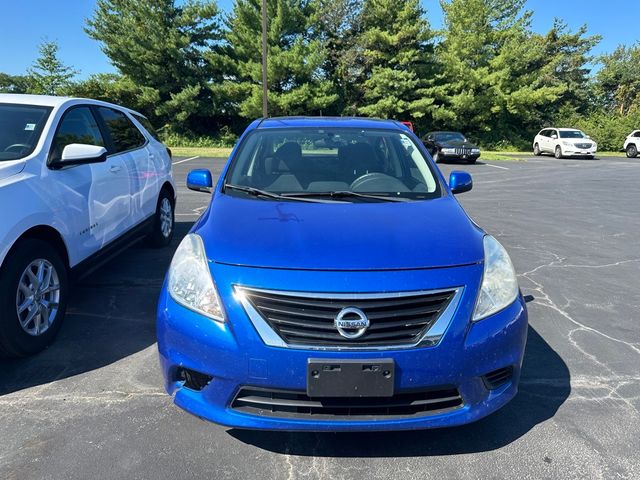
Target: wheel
{"x": 33, "y": 298}
{"x": 558, "y": 153}
{"x": 632, "y": 151}
{"x": 163, "y": 222}
{"x": 471, "y": 161}
{"x": 536, "y": 150}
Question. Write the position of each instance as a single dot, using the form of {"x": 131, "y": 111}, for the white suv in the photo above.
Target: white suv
{"x": 564, "y": 142}
{"x": 79, "y": 180}
{"x": 632, "y": 144}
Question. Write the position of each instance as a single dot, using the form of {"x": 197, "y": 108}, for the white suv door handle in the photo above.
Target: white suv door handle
{"x": 115, "y": 169}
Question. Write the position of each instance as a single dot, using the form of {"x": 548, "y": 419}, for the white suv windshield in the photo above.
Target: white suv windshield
{"x": 571, "y": 134}
{"x": 20, "y": 129}
{"x": 353, "y": 164}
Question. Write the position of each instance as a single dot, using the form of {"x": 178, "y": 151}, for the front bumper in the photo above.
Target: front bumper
{"x": 472, "y": 157}
{"x": 235, "y": 356}
{"x": 578, "y": 152}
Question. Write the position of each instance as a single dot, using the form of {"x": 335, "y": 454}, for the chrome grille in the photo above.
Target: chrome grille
{"x": 463, "y": 151}
{"x": 297, "y": 319}
{"x": 583, "y": 145}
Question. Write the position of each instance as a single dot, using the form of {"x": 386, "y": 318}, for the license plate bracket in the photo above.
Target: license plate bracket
{"x": 350, "y": 378}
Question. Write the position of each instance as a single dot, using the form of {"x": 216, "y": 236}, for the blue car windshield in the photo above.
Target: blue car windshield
{"x": 349, "y": 163}
{"x": 20, "y": 129}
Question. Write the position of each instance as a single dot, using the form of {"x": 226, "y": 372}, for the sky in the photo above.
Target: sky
{"x": 26, "y": 23}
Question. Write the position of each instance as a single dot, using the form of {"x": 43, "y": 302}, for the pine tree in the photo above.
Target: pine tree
{"x": 48, "y": 75}
{"x": 336, "y": 23}
{"x": 160, "y": 45}
{"x": 399, "y": 60}
{"x": 296, "y": 82}
{"x": 500, "y": 81}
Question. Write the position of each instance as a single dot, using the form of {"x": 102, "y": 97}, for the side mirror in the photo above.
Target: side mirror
{"x": 200, "y": 181}
{"x": 80, "y": 154}
{"x": 460, "y": 182}
{"x": 554, "y": 136}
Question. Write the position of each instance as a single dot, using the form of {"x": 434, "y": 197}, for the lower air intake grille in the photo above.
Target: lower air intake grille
{"x": 292, "y": 404}
{"x": 395, "y": 320}
{"x": 497, "y": 378}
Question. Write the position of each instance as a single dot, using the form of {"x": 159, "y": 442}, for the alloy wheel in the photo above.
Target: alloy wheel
{"x": 38, "y": 297}
{"x": 166, "y": 217}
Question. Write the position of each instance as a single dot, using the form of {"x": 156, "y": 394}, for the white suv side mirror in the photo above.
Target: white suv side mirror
{"x": 79, "y": 151}
{"x": 80, "y": 154}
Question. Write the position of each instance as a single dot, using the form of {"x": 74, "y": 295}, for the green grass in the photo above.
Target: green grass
{"x": 493, "y": 156}
{"x": 490, "y": 155}
{"x": 221, "y": 152}
{"x": 611, "y": 154}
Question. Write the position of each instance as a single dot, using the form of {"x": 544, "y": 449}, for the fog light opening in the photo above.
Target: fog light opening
{"x": 497, "y": 378}
{"x": 193, "y": 380}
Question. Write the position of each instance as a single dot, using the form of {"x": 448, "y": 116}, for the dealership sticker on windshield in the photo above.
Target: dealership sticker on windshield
{"x": 30, "y": 126}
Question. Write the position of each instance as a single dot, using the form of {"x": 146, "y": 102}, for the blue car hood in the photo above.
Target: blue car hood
{"x": 339, "y": 236}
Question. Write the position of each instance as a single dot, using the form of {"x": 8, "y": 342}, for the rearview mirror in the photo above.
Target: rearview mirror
{"x": 80, "y": 154}
{"x": 200, "y": 180}
{"x": 460, "y": 182}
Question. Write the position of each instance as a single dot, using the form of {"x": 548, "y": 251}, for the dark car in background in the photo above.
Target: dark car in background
{"x": 445, "y": 146}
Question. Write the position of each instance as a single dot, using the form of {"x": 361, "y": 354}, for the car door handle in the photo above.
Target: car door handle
{"x": 115, "y": 169}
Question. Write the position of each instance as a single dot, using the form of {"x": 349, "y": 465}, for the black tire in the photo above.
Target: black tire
{"x": 558, "y": 152}
{"x": 159, "y": 236}
{"x": 632, "y": 151}
{"x": 471, "y": 161}
{"x": 536, "y": 150}
{"x": 15, "y": 341}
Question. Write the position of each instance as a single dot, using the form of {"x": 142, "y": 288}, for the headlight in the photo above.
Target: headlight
{"x": 189, "y": 281}
{"x": 567, "y": 144}
{"x": 475, "y": 150}
{"x": 499, "y": 283}
{"x": 448, "y": 150}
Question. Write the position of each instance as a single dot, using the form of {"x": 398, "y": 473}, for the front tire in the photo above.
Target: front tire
{"x": 632, "y": 151}
{"x": 33, "y": 298}
{"x": 558, "y": 152}
{"x": 163, "y": 221}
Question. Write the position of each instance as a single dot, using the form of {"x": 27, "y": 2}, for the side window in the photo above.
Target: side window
{"x": 78, "y": 125}
{"x": 124, "y": 134}
{"x": 637, "y": 134}
{"x": 144, "y": 121}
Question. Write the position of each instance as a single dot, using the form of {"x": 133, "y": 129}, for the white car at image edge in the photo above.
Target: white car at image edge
{"x": 632, "y": 144}
{"x": 564, "y": 142}
{"x": 79, "y": 180}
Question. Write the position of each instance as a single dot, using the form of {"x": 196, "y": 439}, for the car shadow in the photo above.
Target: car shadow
{"x": 544, "y": 387}
{"x": 111, "y": 315}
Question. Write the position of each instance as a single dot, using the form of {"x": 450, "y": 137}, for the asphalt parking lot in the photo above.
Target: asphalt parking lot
{"x": 92, "y": 405}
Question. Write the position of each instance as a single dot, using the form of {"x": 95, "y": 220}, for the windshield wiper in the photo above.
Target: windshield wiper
{"x": 345, "y": 194}
{"x": 256, "y": 192}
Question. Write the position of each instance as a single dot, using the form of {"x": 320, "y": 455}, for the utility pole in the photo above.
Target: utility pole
{"x": 265, "y": 88}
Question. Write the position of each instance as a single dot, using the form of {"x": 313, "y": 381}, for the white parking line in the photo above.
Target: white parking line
{"x": 186, "y": 160}
{"x": 496, "y": 166}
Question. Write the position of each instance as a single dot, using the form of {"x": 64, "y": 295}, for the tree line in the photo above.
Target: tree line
{"x": 196, "y": 71}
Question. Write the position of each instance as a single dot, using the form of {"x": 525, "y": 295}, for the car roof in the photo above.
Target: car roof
{"x": 563, "y": 129}
{"x": 54, "y": 101}
{"x": 345, "y": 122}
{"x": 444, "y": 131}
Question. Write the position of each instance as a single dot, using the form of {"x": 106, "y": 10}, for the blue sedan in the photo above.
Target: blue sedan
{"x": 336, "y": 284}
